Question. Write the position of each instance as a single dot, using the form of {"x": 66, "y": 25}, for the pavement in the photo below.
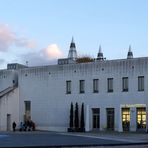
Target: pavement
{"x": 44, "y": 139}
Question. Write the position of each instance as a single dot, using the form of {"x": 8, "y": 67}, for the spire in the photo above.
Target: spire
{"x": 72, "y": 41}
{"x": 72, "y": 51}
{"x": 130, "y": 53}
{"x": 100, "y": 49}
{"x": 72, "y": 45}
{"x": 100, "y": 54}
{"x": 129, "y": 48}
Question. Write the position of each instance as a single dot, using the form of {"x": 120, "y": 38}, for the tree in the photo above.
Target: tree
{"x": 82, "y": 124}
{"x": 84, "y": 59}
{"x": 76, "y": 116}
{"x": 71, "y": 116}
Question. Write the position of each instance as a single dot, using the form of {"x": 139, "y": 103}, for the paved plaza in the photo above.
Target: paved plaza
{"x": 54, "y": 139}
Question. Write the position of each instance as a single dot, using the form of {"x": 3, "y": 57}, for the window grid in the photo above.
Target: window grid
{"x": 125, "y": 85}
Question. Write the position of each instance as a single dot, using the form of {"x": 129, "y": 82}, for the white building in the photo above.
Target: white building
{"x": 114, "y": 93}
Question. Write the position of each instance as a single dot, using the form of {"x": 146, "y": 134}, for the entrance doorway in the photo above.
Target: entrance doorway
{"x": 110, "y": 118}
{"x": 8, "y": 122}
{"x": 126, "y": 119}
{"x": 141, "y": 118}
{"x": 27, "y": 115}
{"x": 96, "y": 118}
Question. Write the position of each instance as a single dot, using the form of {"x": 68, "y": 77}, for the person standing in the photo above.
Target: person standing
{"x": 21, "y": 126}
{"x": 14, "y": 126}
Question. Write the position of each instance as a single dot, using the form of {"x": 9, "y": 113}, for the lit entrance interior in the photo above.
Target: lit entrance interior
{"x": 96, "y": 118}
{"x": 141, "y": 118}
{"x": 126, "y": 119}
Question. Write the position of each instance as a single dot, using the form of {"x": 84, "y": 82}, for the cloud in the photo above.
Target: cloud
{"x": 8, "y": 38}
{"x": 53, "y": 52}
{"x": 24, "y": 42}
{"x": 45, "y": 56}
{"x": 2, "y": 61}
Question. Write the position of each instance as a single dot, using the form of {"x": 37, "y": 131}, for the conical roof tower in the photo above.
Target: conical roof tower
{"x": 130, "y": 53}
{"x": 100, "y": 54}
{"x": 72, "y": 55}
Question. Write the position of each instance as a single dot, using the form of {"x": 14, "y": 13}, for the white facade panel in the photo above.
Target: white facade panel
{"x": 45, "y": 88}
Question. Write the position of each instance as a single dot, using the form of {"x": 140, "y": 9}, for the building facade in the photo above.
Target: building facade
{"x": 114, "y": 93}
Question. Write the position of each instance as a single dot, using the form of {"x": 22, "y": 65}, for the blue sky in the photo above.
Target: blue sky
{"x": 40, "y": 31}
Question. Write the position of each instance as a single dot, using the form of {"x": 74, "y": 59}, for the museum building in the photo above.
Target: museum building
{"x": 114, "y": 93}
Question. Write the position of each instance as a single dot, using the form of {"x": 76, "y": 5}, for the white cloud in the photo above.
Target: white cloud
{"x": 45, "y": 56}
{"x": 24, "y": 42}
{"x": 8, "y": 38}
{"x": 2, "y": 61}
{"x": 53, "y": 52}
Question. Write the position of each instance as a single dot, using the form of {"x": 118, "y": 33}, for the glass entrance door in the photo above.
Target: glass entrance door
{"x": 141, "y": 118}
{"x": 27, "y": 115}
{"x": 110, "y": 118}
{"x": 8, "y": 122}
{"x": 96, "y": 118}
{"x": 126, "y": 119}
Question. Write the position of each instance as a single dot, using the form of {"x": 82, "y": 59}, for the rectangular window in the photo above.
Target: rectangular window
{"x": 110, "y": 118}
{"x": 126, "y": 119}
{"x": 27, "y": 106}
{"x": 110, "y": 84}
{"x": 82, "y": 86}
{"x": 95, "y": 85}
{"x": 125, "y": 84}
{"x": 96, "y": 118}
{"x": 68, "y": 87}
{"x": 141, "y": 118}
{"x": 141, "y": 83}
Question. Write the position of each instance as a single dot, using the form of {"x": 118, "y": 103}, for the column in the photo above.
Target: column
{"x": 146, "y": 118}
{"x": 103, "y": 122}
{"x": 133, "y": 122}
{"x": 87, "y": 126}
{"x": 120, "y": 128}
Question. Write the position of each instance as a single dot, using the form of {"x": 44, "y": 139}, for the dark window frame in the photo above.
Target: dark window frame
{"x": 82, "y": 86}
{"x": 109, "y": 85}
{"x": 95, "y": 85}
{"x": 68, "y": 87}
{"x": 125, "y": 84}
{"x": 140, "y": 83}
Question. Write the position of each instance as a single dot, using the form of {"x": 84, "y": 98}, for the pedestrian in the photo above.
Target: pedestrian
{"x": 14, "y": 126}
{"x": 33, "y": 126}
{"x": 21, "y": 126}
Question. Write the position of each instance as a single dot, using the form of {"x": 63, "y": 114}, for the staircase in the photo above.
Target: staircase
{"x": 6, "y": 91}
